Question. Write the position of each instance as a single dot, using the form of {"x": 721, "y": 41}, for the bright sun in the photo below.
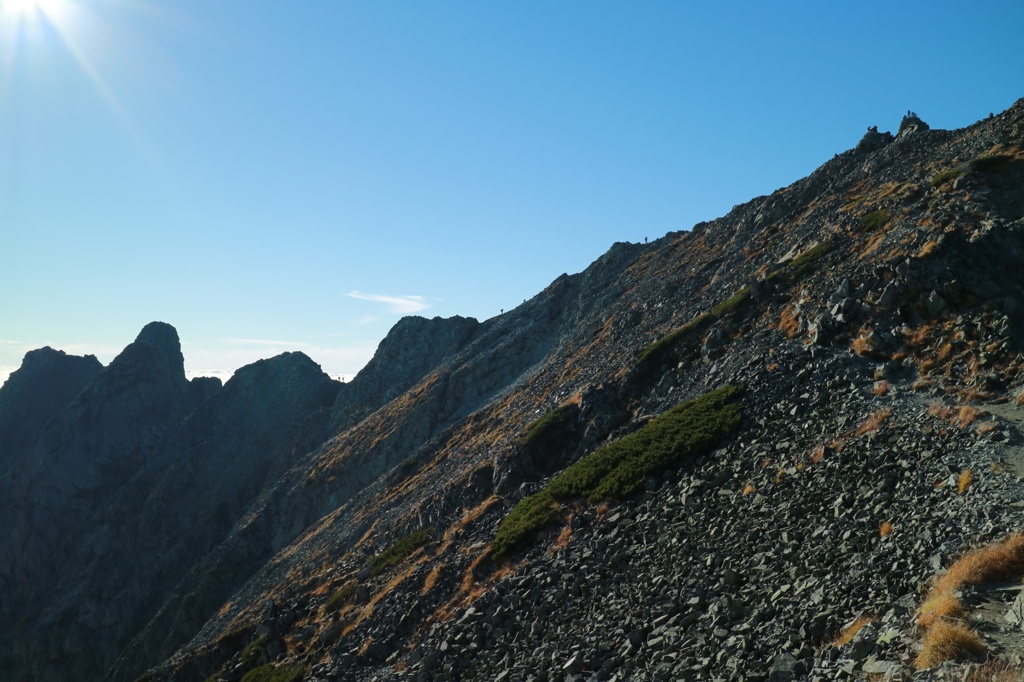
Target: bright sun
{"x": 24, "y": 7}
{"x": 19, "y": 6}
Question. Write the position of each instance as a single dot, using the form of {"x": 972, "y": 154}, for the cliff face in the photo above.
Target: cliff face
{"x": 46, "y": 383}
{"x": 872, "y": 314}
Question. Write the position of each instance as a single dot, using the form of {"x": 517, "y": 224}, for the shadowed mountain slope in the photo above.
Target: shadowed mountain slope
{"x": 855, "y": 336}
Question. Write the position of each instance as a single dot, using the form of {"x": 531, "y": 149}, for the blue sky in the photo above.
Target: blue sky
{"x": 275, "y": 176}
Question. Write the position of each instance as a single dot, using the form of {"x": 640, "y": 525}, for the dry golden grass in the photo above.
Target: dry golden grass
{"x": 789, "y": 321}
{"x": 873, "y": 423}
{"x": 467, "y": 518}
{"x": 937, "y": 409}
{"x": 967, "y": 416}
{"x": 996, "y": 671}
{"x": 934, "y": 609}
{"x": 749, "y": 489}
{"x": 861, "y": 346}
{"x": 817, "y": 454}
{"x": 847, "y": 634}
{"x": 947, "y": 641}
{"x": 998, "y": 561}
{"x": 881, "y": 388}
{"x": 987, "y": 427}
{"x": 872, "y": 245}
{"x": 922, "y": 385}
{"x": 919, "y": 337}
{"x": 928, "y": 249}
{"x": 562, "y": 541}
{"x": 885, "y": 528}
{"x": 927, "y": 365}
{"x": 432, "y": 578}
{"x": 964, "y": 481}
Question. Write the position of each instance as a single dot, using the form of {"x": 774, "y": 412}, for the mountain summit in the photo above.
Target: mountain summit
{"x": 743, "y": 451}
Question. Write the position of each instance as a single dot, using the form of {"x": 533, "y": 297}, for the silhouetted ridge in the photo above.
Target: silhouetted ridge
{"x": 47, "y": 381}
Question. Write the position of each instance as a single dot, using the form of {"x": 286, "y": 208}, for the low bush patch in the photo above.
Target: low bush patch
{"x": 522, "y": 523}
{"x": 875, "y": 220}
{"x": 550, "y": 427}
{"x": 657, "y": 352}
{"x": 268, "y": 673}
{"x": 990, "y": 163}
{"x": 947, "y": 175}
{"x": 341, "y": 596}
{"x": 732, "y": 303}
{"x": 394, "y": 554}
{"x": 619, "y": 470}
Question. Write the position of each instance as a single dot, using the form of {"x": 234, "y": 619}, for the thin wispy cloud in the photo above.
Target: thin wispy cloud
{"x": 405, "y": 305}
{"x": 13, "y": 343}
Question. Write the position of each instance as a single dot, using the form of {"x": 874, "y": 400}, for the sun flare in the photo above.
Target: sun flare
{"x": 19, "y": 6}
{"x": 26, "y": 7}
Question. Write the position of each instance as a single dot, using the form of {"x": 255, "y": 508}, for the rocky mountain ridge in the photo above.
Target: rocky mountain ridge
{"x": 285, "y": 526}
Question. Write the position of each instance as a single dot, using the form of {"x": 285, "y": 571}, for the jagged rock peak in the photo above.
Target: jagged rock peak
{"x": 158, "y": 342}
{"x": 910, "y": 124}
{"x": 293, "y": 372}
{"x": 45, "y": 383}
{"x": 873, "y": 140}
{"x": 414, "y": 337}
{"x": 413, "y": 347}
{"x": 47, "y": 356}
{"x": 161, "y": 335}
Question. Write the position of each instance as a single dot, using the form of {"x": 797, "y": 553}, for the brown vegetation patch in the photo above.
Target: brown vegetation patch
{"x": 948, "y": 641}
{"x": 987, "y": 427}
{"x": 789, "y": 321}
{"x": 562, "y": 541}
{"x": 998, "y": 561}
{"x": 847, "y": 634}
{"x": 928, "y": 249}
{"x": 964, "y": 481}
{"x": 966, "y": 416}
{"x": 873, "y": 423}
{"x": 996, "y": 671}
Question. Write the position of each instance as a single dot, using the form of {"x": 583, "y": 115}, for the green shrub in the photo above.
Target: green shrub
{"x": 552, "y": 427}
{"x": 947, "y": 176}
{"x": 990, "y": 163}
{"x": 619, "y": 469}
{"x": 254, "y": 650}
{"x": 804, "y": 261}
{"x": 656, "y": 352}
{"x": 875, "y": 220}
{"x": 268, "y": 673}
{"x": 732, "y": 303}
{"x": 522, "y": 523}
{"x": 394, "y": 554}
{"x": 233, "y": 639}
{"x": 341, "y": 596}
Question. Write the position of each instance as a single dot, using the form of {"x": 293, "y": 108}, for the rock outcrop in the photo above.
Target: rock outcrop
{"x": 46, "y": 383}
